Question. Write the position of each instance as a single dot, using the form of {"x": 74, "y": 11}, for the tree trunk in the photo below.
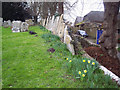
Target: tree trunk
{"x": 60, "y": 9}
{"x": 108, "y": 39}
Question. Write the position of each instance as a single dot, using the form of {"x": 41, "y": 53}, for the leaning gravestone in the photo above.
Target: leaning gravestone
{"x": 16, "y": 26}
{"x": 60, "y": 28}
{"x": 65, "y": 33}
{"x": 30, "y": 22}
{"x": 61, "y": 31}
{"x": 5, "y": 24}
{"x": 67, "y": 40}
{"x": 46, "y": 22}
{"x": 51, "y": 23}
{"x": 70, "y": 46}
{"x": 24, "y": 27}
{"x": 43, "y": 22}
{"x": 55, "y": 25}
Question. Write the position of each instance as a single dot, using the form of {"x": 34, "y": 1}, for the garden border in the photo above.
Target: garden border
{"x": 106, "y": 71}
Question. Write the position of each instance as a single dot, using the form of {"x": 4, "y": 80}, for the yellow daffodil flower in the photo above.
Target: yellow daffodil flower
{"x": 83, "y": 75}
{"x": 88, "y": 61}
{"x": 85, "y": 71}
{"x": 79, "y": 72}
{"x": 70, "y": 61}
{"x": 83, "y": 60}
{"x": 93, "y": 63}
{"x": 66, "y": 58}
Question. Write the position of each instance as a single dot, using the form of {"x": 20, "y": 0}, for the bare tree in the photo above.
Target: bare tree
{"x": 60, "y": 8}
{"x": 108, "y": 40}
{"x": 34, "y": 9}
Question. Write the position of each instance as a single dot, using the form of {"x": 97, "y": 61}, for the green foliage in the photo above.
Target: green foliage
{"x": 26, "y": 63}
{"x": 119, "y": 49}
{"x": 49, "y": 37}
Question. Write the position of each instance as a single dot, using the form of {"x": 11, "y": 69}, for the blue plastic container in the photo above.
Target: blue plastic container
{"x": 99, "y": 33}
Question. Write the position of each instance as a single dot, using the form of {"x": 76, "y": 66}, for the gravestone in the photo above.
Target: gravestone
{"x": 5, "y": 24}
{"x": 46, "y": 25}
{"x": 65, "y": 33}
{"x": 1, "y": 21}
{"x": 9, "y": 23}
{"x": 67, "y": 40}
{"x": 30, "y": 22}
{"x": 61, "y": 32}
{"x": 16, "y": 26}
{"x": 43, "y": 22}
{"x": 52, "y": 23}
{"x": 55, "y": 25}
{"x": 60, "y": 28}
{"x": 70, "y": 46}
{"x": 24, "y": 27}
{"x": 49, "y": 23}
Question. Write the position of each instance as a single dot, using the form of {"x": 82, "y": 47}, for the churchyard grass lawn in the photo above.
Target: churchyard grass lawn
{"x": 26, "y": 63}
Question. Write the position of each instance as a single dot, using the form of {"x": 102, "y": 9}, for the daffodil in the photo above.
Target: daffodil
{"x": 83, "y": 60}
{"x": 70, "y": 61}
{"x": 85, "y": 71}
{"x": 88, "y": 61}
{"x": 83, "y": 75}
{"x": 93, "y": 63}
{"x": 79, "y": 72}
{"x": 66, "y": 58}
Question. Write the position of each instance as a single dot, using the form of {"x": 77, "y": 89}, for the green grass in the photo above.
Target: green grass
{"x": 26, "y": 63}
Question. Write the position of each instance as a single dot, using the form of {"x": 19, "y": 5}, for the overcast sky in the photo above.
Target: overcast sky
{"x": 82, "y": 8}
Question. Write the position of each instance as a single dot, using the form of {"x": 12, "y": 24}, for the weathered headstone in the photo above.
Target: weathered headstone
{"x": 16, "y": 26}
{"x": 46, "y": 25}
{"x": 55, "y": 25}
{"x": 5, "y": 24}
{"x": 70, "y": 46}
{"x": 9, "y": 23}
{"x": 43, "y": 22}
{"x": 61, "y": 32}
{"x": 30, "y": 22}
{"x": 49, "y": 23}
{"x": 52, "y": 23}
{"x": 60, "y": 28}
{"x": 1, "y": 21}
{"x": 24, "y": 27}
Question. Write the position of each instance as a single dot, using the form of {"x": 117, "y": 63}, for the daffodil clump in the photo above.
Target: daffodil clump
{"x": 69, "y": 60}
{"x": 87, "y": 67}
{"x": 82, "y": 69}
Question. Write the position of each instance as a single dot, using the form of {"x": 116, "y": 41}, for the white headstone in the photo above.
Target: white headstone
{"x": 24, "y": 27}
{"x": 55, "y": 25}
{"x": 51, "y": 24}
{"x": 9, "y": 23}
{"x": 1, "y": 21}
{"x": 43, "y": 22}
{"x": 16, "y": 26}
